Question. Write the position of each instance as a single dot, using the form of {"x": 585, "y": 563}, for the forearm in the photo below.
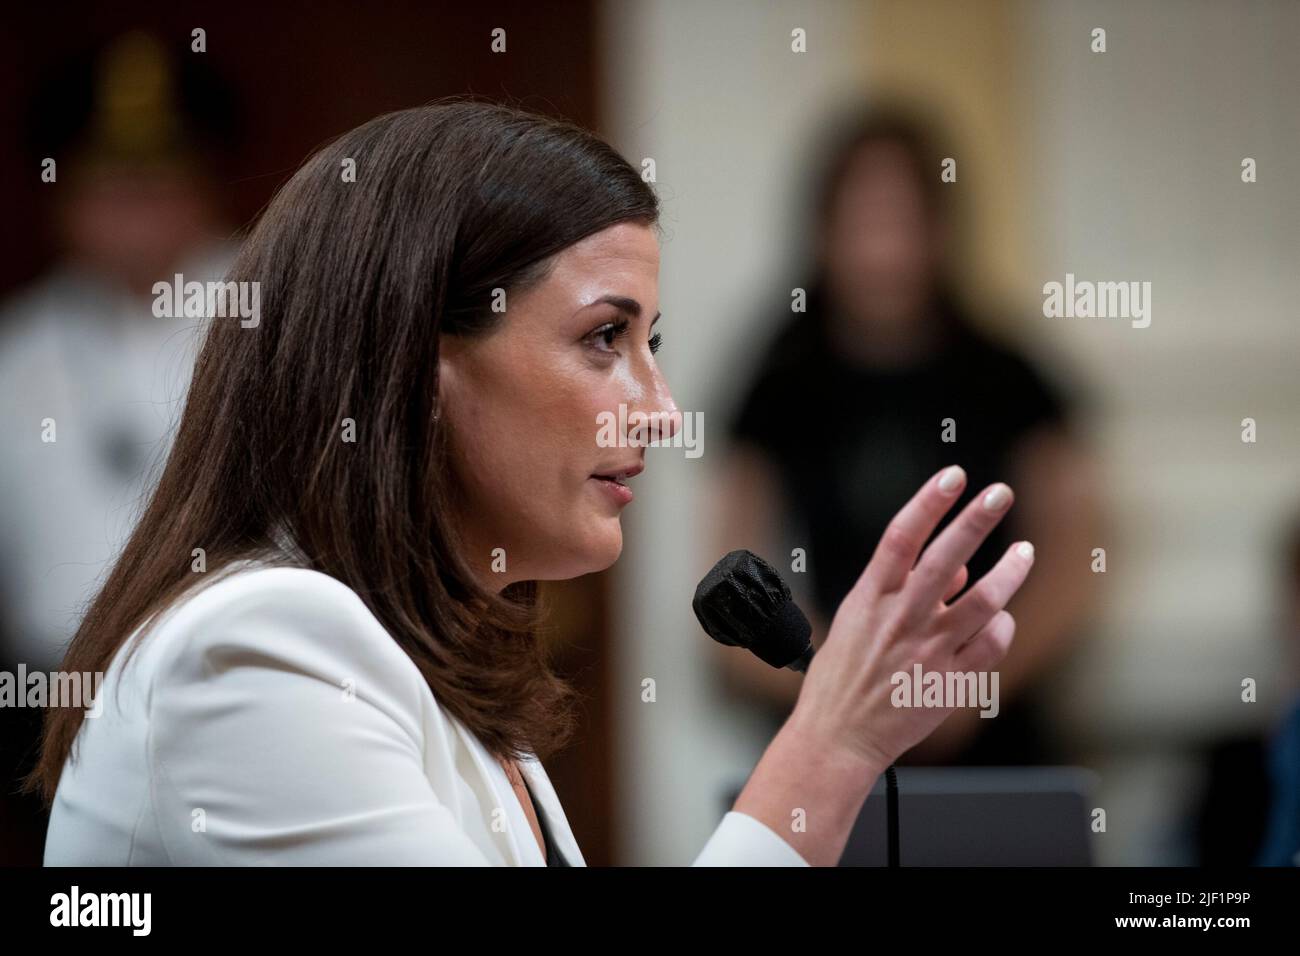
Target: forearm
{"x": 808, "y": 792}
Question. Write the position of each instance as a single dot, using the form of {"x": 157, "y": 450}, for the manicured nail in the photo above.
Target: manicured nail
{"x": 951, "y": 479}
{"x": 1025, "y": 549}
{"x": 997, "y": 498}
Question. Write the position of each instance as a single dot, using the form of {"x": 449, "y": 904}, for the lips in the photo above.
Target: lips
{"x": 613, "y": 481}
{"x": 620, "y": 475}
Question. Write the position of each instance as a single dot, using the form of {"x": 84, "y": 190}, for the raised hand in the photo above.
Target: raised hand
{"x": 897, "y": 615}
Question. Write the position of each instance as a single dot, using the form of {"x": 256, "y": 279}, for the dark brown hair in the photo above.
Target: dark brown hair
{"x": 357, "y": 281}
{"x": 855, "y": 128}
{"x": 851, "y": 128}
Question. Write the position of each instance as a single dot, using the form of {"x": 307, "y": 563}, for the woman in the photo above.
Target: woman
{"x": 887, "y": 340}
{"x": 319, "y": 644}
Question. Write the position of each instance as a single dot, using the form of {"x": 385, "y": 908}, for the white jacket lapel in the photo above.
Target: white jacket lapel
{"x": 499, "y": 793}
{"x": 545, "y": 801}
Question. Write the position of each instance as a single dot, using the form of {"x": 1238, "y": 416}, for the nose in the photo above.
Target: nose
{"x": 657, "y": 418}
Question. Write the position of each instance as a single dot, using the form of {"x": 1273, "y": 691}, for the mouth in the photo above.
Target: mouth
{"x": 615, "y": 482}
{"x": 620, "y": 477}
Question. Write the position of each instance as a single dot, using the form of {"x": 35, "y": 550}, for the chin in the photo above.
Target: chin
{"x": 602, "y": 547}
{"x": 597, "y": 551}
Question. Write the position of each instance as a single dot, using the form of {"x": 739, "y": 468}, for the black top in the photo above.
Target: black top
{"x": 851, "y": 444}
{"x": 553, "y": 856}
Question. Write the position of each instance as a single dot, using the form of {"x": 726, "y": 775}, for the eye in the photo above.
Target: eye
{"x": 607, "y": 334}
{"x": 603, "y": 338}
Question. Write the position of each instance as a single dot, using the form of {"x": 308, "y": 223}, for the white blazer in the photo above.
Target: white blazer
{"x": 270, "y": 718}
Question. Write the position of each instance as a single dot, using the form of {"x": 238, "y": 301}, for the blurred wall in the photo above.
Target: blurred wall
{"x": 1139, "y": 178}
{"x": 962, "y": 63}
{"x": 714, "y": 94}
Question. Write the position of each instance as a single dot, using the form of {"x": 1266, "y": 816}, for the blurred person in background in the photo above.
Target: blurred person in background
{"x": 846, "y": 414}
{"x": 91, "y": 379}
{"x": 1247, "y": 812}
{"x": 1282, "y": 838}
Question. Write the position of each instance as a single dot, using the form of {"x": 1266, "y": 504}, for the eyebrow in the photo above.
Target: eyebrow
{"x": 624, "y": 304}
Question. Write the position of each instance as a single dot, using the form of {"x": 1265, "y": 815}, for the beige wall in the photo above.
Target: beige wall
{"x": 1138, "y": 178}
{"x": 961, "y": 62}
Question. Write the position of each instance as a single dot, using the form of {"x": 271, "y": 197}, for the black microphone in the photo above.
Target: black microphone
{"x": 744, "y": 602}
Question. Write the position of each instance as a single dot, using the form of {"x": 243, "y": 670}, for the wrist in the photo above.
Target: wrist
{"x": 804, "y": 776}
{"x": 853, "y": 764}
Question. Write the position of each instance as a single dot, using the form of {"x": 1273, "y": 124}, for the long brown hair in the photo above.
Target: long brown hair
{"x": 357, "y": 281}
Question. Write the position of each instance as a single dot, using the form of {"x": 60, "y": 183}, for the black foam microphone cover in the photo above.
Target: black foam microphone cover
{"x": 743, "y": 602}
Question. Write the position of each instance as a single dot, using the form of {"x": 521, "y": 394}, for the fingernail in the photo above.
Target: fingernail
{"x": 950, "y": 480}
{"x": 997, "y": 498}
{"x": 1025, "y": 549}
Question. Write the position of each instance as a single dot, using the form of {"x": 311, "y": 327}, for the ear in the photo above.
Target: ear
{"x": 450, "y": 358}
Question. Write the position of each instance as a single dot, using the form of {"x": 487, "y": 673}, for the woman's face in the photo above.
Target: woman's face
{"x": 882, "y": 245}
{"x": 527, "y": 402}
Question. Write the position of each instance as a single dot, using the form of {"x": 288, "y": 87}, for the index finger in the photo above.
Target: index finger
{"x": 901, "y": 544}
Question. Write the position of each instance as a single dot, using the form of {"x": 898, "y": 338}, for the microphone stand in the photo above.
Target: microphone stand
{"x": 891, "y": 810}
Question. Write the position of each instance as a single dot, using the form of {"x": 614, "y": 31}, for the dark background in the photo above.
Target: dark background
{"x": 299, "y": 74}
